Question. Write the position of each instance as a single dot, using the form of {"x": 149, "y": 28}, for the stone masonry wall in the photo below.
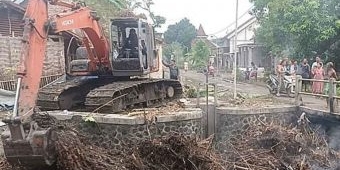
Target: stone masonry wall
{"x": 10, "y": 48}
{"x": 115, "y": 130}
{"x": 115, "y": 136}
{"x": 232, "y": 122}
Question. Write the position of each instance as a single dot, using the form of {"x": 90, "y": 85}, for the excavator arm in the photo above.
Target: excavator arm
{"x": 86, "y": 20}
{"x": 31, "y": 145}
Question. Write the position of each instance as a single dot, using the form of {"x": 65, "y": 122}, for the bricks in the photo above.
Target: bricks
{"x": 10, "y": 48}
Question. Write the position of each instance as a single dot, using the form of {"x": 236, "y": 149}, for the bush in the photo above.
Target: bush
{"x": 240, "y": 75}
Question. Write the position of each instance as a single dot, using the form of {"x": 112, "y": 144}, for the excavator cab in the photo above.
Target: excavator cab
{"x": 133, "y": 47}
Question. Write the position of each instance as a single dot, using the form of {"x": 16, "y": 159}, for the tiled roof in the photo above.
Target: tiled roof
{"x": 201, "y": 32}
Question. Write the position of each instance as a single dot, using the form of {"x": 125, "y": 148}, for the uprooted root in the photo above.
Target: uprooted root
{"x": 74, "y": 152}
{"x": 176, "y": 152}
{"x": 272, "y": 146}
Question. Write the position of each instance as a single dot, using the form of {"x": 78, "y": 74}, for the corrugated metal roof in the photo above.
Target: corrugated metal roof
{"x": 11, "y": 15}
{"x": 12, "y": 5}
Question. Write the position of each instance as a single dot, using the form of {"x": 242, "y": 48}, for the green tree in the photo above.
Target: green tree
{"x": 174, "y": 49}
{"x": 109, "y": 9}
{"x": 131, "y": 5}
{"x": 106, "y": 10}
{"x": 298, "y": 27}
{"x": 182, "y": 32}
{"x": 200, "y": 54}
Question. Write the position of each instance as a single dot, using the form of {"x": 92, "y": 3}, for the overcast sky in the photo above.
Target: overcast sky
{"x": 214, "y": 15}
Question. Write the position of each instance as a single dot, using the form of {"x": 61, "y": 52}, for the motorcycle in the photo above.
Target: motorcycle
{"x": 287, "y": 85}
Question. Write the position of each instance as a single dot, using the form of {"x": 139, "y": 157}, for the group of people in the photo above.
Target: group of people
{"x": 317, "y": 71}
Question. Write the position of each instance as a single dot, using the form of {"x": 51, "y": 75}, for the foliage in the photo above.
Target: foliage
{"x": 297, "y": 27}
{"x": 146, "y": 5}
{"x": 108, "y": 9}
{"x": 240, "y": 75}
{"x": 7, "y": 73}
{"x": 174, "y": 49}
{"x": 200, "y": 55}
{"x": 182, "y": 32}
{"x": 190, "y": 91}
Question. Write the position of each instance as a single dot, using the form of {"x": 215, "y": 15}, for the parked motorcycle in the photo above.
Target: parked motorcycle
{"x": 287, "y": 86}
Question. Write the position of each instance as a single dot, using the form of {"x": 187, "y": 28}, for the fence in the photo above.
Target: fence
{"x": 11, "y": 84}
{"x": 331, "y": 96}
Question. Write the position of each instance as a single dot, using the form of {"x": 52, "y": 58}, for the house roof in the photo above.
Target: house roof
{"x": 12, "y": 5}
{"x": 241, "y": 27}
{"x": 205, "y": 40}
{"x": 201, "y": 32}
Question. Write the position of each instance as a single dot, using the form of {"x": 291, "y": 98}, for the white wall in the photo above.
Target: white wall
{"x": 244, "y": 36}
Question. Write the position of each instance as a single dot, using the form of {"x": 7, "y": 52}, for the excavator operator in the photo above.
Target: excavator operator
{"x": 131, "y": 44}
{"x": 132, "y": 40}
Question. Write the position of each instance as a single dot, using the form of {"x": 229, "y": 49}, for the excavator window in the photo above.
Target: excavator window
{"x": 133, "y": 39}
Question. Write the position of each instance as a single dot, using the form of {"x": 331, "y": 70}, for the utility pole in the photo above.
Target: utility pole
{"x": 235, "y": 51}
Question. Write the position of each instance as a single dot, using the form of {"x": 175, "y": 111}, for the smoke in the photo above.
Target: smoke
{"x": 334, "y": 138}
{"x": 329, "y": 128}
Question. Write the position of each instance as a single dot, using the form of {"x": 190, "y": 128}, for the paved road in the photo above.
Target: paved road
{"x": 224, "y": 83}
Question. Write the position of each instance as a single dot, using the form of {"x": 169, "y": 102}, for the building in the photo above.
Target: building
{"x": 11, "y": 29}
{"x": 248, "y": 49}
{"x": 216, "y": 51}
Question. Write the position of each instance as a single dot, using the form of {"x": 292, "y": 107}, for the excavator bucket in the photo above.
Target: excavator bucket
{"x": 37, "y": 150}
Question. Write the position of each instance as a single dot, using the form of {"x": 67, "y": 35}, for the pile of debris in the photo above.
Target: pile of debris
{"x": 176, "y": 152}
{"x": 74, "y": 151}
{"x": 272, "y": 146}
{"x": 77, "y": 151}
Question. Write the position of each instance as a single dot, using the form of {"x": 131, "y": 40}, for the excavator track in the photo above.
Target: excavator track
{"x": 107, "y": 95}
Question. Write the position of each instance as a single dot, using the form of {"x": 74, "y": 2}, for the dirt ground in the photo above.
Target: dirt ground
{"x": 256, "y": 91}
{"x": 223, "y": 83}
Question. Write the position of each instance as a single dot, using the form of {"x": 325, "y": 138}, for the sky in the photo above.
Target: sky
{"x": 214, "y": 15}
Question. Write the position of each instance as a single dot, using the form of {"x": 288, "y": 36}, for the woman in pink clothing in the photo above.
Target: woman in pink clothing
{"x": 318, "y": 74}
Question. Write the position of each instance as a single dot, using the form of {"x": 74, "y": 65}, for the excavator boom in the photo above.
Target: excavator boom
{"x": 35, "y": 148}
{"x": 132, "y": 56}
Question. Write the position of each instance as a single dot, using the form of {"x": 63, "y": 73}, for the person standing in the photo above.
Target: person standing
{"x": 330, "y": 73}
{"x": 318, "y": 74}
{"x": 253, "y": 71}
{"x": 280, "y": 71}
{"x": 293, "y": 68}
{"x": 174, "y": 71}
{"x": 305, "y": 73}
{"x": 317, "y": 61}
